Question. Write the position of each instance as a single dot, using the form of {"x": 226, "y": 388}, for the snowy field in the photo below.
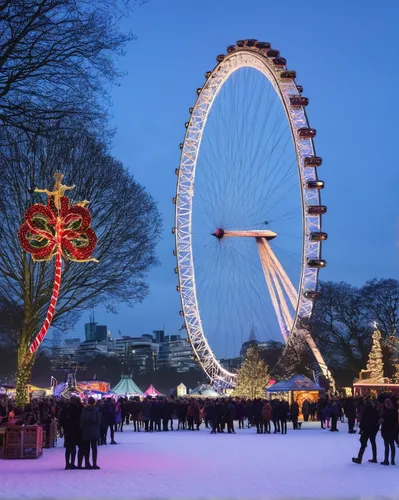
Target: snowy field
{"x": 309, "y": 463}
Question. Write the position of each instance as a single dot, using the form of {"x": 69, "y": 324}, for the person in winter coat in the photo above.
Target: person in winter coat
{"x": 135, "y": 408}
{"x": 70, "y": 423}
{"x": 335, "y": 415}
{"x": 257, "y": 406}
{"x": 350, "y": 414}
{"x": 109, "y": 420}
{"x": 267, "y": 416}
{"x": 212, "y": 415}
{"x": 305, "y": 410}
{"x": 146, "y": 412}
{"x": 295, "y": 414}
{"x": 276, "y": 415}
{"x": 284, "y": 409}
{"x": 230, "y": 416}
{"x": 321, "y": 405}
{"x": 327, "y": 413}
{"x": 240, "y": 414}
{"x": 369, "y": 424}
{"x": 156, "y": 415}
{"x": 118, "y": 415}
{"x": 167, "y": 414}
{"x": 191, "y": 416}
{"x": 90, "y": 426}
{"x": 389, "y": 422}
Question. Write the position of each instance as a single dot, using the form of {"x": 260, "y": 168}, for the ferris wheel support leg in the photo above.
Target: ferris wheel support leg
{"x": 288, "y": 286}
{"x": 319, "y": 358}
{"x": 264, "y": 259}
{"x": 282, "y": 302}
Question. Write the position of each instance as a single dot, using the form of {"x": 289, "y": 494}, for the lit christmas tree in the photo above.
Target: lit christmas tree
{"x": 375, "y": 363}
{"x": 395, "y": 377}
{"x": 253, "y": 375}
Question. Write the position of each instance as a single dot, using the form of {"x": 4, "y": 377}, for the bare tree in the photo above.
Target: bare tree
{"x": 56, "y": 57}
{"x": 382, "y": 299}
{"x": 341, "y": 327}
{"x": 124, "y": 217}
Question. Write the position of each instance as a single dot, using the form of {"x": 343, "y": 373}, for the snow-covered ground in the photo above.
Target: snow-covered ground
{"x": 309, "y": 463}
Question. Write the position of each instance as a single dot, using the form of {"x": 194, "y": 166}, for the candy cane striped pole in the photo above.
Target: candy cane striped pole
{"x": 51, "y": 310}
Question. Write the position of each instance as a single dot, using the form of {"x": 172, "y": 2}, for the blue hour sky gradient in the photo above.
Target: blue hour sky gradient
{"x": 346, "y": 57}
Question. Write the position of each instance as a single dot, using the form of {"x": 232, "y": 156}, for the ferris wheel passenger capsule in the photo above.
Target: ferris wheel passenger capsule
{"x": 306, "y": 133}
{"x": 312, "y": 161}
{"x": 288, "y": 75}
{"x": 231, "y": 48}
{"x": 250, "y": 42}
{"x": 316, "y": 209}
{"x": 315, "y": 184}
{"x": 262, "y": 45}
{"x": 273, "y": 53}
{"x": 208, "y": 74}
{"x": 316, "y": 263}
{"x": 279, "y": 61}
{"x": 297, "y": 101}
{"x": 220, "y": 58}
{"x": 318, "y": 236}
{"x": 240, "y": 43}
{"x": 199, "y": 90}
{"x": 311, "y": 294}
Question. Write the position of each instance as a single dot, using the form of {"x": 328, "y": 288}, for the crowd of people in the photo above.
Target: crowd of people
{"x": 85, "y": 425}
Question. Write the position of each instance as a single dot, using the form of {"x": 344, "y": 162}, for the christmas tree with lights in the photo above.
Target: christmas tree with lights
{"x": 252, "y": 376}
{"x": 375, "y": 364}
{"x": 395, "y": 366}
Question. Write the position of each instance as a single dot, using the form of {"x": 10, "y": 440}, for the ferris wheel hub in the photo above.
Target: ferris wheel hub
{"x": 252, "y": 233}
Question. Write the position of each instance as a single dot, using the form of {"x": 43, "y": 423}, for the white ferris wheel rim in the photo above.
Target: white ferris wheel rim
{"x": 297, "y": 119}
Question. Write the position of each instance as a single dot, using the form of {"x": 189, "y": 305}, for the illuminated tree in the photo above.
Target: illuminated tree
{"x": 395, "y": 378}
{"x": 375, "y": 362}
{"x": 252, "y": 376}
{"x": 124, "y": 218}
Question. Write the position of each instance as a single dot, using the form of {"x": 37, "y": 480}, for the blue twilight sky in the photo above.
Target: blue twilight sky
{"x": 345, "y": 55}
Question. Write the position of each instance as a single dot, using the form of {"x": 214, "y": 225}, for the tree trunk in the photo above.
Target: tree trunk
{"x": 24, "y": 371}
{"x": 24, "y": 363}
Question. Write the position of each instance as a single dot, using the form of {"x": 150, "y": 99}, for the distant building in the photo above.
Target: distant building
{"x": 176, "y": 353}
{"x": 94, "y": 332}
{"x": 159, "y": 336}
{"x": 231, "y": 364}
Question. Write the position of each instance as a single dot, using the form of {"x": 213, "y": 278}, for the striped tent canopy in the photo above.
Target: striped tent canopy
{"x": 127, "y": 387}
{"x": 151, "y": 391}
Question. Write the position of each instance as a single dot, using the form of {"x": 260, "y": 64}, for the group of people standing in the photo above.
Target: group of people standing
{"x": 374, "y": 416}
{"x": 85, "y": 427}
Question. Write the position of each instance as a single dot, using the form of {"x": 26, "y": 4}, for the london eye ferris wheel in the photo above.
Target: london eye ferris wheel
{"x": 248, "y": 244}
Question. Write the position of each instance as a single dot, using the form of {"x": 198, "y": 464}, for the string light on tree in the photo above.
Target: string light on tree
{"x": 59, "y": 230}
{"x": 375, "y": 363}
{"x": 252, "y": 376}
